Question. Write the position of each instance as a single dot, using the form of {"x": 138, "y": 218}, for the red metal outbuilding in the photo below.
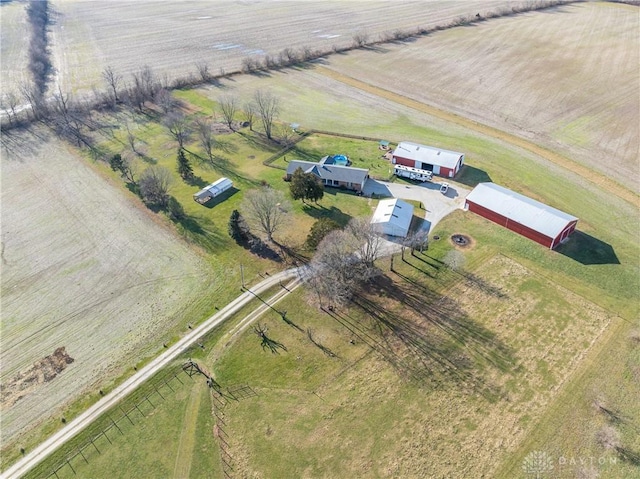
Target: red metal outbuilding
{"x": 530, "y": 218}
{"x": 436, "y": 160}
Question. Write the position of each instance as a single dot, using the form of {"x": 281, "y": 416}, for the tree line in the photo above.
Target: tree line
{"x": 144, "y": 86}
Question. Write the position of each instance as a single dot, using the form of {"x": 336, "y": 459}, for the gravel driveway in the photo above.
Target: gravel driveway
{"x": 436, "y": 204}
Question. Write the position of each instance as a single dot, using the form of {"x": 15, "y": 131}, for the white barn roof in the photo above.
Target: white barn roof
{"x": 427, "y": 154}
{"x": 393, "y": 216}
{"x": 214, "y": 189}
{"x": 521, "y": 209}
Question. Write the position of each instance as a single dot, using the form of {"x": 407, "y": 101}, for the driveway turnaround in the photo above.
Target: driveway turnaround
{"x": 78, "y": 424}
{"x": 436, "y": 205}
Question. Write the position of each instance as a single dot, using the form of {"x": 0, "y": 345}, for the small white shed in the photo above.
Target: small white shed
{"x": 393, "y": 217}
{"x": 214, "y": 189}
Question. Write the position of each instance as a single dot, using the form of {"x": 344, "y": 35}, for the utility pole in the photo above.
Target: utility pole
{"x": 242, "y": 275}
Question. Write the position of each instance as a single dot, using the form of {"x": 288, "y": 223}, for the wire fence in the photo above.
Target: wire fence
{"x": 114, "y": 423}
{"x": 123, "y": 418}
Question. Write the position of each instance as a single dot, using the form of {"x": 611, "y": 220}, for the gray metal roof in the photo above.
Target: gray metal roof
{"x": 345, "y": 174}
{"x": 521, "y": 209}
{"x": 427, "y": 154}
{"x": 393, "y": 216}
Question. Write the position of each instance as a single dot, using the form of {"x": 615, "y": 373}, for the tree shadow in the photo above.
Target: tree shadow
{"x": 292, "y": 254}
{"x": 588, "y": 250}
{"x": 439, "y": 341}
{"x": 266, "y": 341}
{"x": 213, "y": 202}
{"x": 319, "y": 211}
{"x": 196, "y": 181}
{"x": 259, "y": 142}
{"x": 193, "y": 231}
{"x": 319, "y": 345}
{"x": 628, "y": 455}
{"x": 471, "y": 176}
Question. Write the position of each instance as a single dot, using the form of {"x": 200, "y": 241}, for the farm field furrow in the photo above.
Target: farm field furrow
{"x": 14, "y": 45}
{"x": 566, "y": 78}
{"x": 172, "y": 36}
{"x": 81, "y": 269}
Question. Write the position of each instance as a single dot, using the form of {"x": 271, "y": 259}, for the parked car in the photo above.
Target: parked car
{"x": 444, "y": 187}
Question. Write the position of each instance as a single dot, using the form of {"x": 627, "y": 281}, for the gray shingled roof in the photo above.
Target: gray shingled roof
{"x": 345, "y": 174}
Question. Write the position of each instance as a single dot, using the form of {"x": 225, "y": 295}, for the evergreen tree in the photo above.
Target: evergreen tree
{"x": 120, "y": 164}
{"x": 184, "y": 167}
{"x": 237, "y": 227}
{"x": 306, "y": 186}
{"x": 297, "y": 186}
{"x": 319, "y": 230}
{"x": 313, "y": 188}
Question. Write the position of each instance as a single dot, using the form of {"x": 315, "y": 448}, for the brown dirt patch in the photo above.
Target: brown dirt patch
{"x": 28, "y": 380}
{"x": 462, "y": 241}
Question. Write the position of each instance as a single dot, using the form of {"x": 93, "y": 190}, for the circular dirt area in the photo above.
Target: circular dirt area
{"x": 462, "y": 241}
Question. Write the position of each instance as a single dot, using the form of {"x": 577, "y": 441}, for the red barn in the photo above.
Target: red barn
{"x": 440, "y": 162}
{"x": 537, "y": 221}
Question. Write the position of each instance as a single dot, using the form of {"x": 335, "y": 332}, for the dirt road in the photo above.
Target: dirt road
{"x": 78, "y": 424}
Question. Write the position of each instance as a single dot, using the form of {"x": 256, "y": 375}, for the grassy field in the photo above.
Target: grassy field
{"x": 520, "y": 75}
{"x": 431, "y": 373}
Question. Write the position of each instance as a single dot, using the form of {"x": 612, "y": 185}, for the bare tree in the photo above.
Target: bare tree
{"x": 365, "y": 240}
{"x": 67, "y": 116}
{"x": 344, "y": 260}
{"x": 229, "y": 107}
{"x": 165, "y": 100}
{"x": 249, "y": 112}
{"x": 178, "y": 128}
{"x": 267, "y": 108}
{"x": 333, "y": 273}
{"x": 266, "y": 210}
{"x": 417, "y": 240}
{"x": 204, "y": 128}
{"x": 286, "y": 135}
{"x": 360, "y": 39}
{"x": 124, "y": 166}
{"x": 609, "y": 438}
{"x": 31, "y": 95}
{"x": 131, "y": 138}
{"x": 155, "y": 183}
{"x": 113, "y": 81}
{"x": 203, "y": 71}
{"x": 144, "y": 87}
{"x": 10, "y": 102}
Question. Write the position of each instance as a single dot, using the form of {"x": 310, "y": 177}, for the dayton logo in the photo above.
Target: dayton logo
{"x": 537, "y": 463}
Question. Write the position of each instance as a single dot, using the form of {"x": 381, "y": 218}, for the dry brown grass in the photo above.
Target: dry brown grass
{"x": 370, "y": 420}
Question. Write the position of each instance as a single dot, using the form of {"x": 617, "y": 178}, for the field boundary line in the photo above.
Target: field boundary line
{"x": 592, "y": 176}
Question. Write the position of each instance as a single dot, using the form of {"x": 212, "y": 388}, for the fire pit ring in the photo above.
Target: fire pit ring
{"x": 460, "y": 240}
